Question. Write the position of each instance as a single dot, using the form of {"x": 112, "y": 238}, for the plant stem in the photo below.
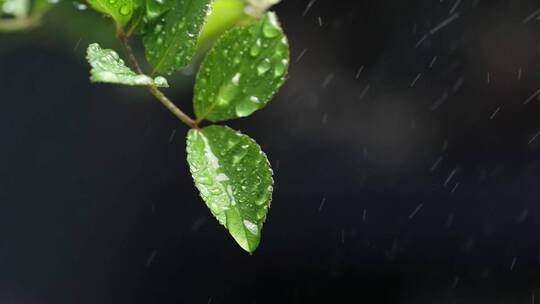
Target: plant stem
{"x": 124, "y": 38}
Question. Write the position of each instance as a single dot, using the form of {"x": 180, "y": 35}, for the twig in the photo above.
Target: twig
{"x": 124, "y": 39}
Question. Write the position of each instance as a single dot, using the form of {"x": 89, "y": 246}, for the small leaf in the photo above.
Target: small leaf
{"x": 172, "y": 31}
{"x": 242, "y": 72}
{"x": 120, "y": 10}
{"x": 109, "y": 68}
{"x": 234, "y": 178}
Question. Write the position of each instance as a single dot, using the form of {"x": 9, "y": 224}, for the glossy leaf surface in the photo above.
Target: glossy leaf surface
{"x": 109, "y": 68}
{"x": 234, "y": 178}
{"x": 172, "y": 30}
{"x": 242, "y": 72}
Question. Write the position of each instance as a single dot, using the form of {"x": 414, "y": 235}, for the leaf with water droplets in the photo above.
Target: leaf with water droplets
{"x": 171, "y": 32}
{"x": 109, "y": 68}
{"x": 242, "y": 72}
{"x": 120, "y": 10}
{"x": 234, "y": 179}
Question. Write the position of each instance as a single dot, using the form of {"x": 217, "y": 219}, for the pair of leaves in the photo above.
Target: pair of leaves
{"x": 171, "y": 27}
{"x": 240, "y": 75}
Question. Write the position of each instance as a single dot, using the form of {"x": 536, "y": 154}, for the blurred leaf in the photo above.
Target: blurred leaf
{"x": 40, "y": 7}
{"x": 120, "y": 10}
{"x": 234, "y": 178}
{"x": 242, "y": 72}
{"x": 170, "y": 41}
{"x": 109, "y": 68}
{"x": 225, "y": 14}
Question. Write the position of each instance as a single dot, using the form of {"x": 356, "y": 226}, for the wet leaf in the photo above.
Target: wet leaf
{"x": 172, "y": 31}
{"x": 109, "y": 68}
{"x": 120, "y": 10}
{"x": 234, "y": 178}
{"x": 242, "y": 72}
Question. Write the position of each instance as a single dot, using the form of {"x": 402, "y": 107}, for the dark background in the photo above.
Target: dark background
{"x": 388, "y": 190}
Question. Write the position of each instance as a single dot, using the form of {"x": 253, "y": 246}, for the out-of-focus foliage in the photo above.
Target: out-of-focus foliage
{"x": 18, "y": 15}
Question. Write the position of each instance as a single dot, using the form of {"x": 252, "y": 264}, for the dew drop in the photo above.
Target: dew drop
{"x": 256, "y": 48}
{"x": 263, "y": 67}
{"x": 226, "y": 93}
{"x": 270, "y": 27}
{"x": 125, "y": 10}
{"x": 251, "y": 227}
{"x": 161, "y": 81}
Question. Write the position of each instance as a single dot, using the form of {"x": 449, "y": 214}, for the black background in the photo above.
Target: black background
{"x": 383, "y": 193}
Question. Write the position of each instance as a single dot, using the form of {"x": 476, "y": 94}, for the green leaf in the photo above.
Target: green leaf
{"x": 109, "y": 68}
{"x": 40, "y": 7}
{"x": 120, "y": 10}
{"x": 234, "y": 178}
{"x": 156, "y": 8}
{"x": 225, "y": 15}
{"x": 170, "y": 40}
{"x": 242, "y": 72}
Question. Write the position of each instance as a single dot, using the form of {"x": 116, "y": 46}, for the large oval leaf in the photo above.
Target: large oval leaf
{"x": 242, "y": 72}
{"x": 171, "y": 34}
{"x": 120, "y": 10}
{"x": 234, "y": 178}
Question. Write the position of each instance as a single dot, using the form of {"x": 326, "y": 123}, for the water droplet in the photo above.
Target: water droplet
{"x": 222, "y": 177}
{"x": 158, "y": 28}
{"x": 256, "y": 48}
{"x": 142, "y": 80}
{"x": 161, "y": 81}
{"x": 125, "y": 10}
{"x": 280, "y": 68}
{"x": 106, "y": 76}
{"x": 251, "y": 227}
{"x": 226, "y": 93}
{"x": 270, "y": 27}
{"x": 246, "y": 108}
{"x": 263, "y": 67}
{"x": 79, "y": 6}
{"x": 236, "y": 79}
